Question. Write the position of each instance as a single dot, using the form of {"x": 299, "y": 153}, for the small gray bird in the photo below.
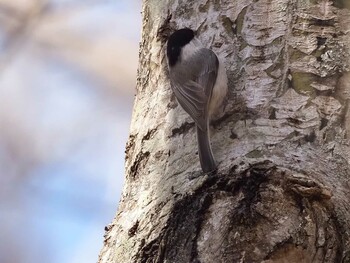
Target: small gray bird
{"x": 199, "y": 82}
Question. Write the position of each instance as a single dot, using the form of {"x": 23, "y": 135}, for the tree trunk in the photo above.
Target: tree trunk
{"x": 281, "y": 193}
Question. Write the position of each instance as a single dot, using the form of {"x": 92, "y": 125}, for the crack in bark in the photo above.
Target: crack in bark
{"x": 148, "y": 135}
{"x": 133, "y": 229}
{"x": 185, "y": 127}
{"x": 140, "y": 160}
{"x": 179, "y": 236}
{"x": 129, "y": 146}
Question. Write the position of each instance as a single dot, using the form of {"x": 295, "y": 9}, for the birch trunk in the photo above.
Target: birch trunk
{"x": 282, "y": 143}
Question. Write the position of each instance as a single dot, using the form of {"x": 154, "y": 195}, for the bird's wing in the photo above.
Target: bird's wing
{"x": 194, "y": 94}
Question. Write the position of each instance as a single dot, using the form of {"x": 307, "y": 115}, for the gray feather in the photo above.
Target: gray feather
{"x": 193, "y": 82}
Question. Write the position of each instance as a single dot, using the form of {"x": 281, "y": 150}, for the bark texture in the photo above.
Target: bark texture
{"x": 282, "y": 143}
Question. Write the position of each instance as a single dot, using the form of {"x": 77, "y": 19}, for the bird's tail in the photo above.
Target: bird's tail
{"x": 204, "y": 150}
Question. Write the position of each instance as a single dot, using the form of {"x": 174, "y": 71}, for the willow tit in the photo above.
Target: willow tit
{"x": 199, "y": 82}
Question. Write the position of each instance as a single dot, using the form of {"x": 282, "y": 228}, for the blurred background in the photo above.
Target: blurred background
{"x": 67, "y": 80}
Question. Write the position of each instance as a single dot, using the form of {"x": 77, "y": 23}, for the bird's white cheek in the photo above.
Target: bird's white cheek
{"x": 189, "y": 50}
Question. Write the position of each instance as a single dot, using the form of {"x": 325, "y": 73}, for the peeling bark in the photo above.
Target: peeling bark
{"x": 282, "y": 190}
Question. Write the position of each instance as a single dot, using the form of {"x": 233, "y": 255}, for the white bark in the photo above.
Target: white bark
{"x": 282, "y": 191}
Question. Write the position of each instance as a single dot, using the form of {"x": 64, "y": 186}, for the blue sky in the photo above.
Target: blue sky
{"x": 65, "y": 117}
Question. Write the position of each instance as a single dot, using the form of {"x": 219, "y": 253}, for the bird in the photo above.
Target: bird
{"x": 198, "y": 79}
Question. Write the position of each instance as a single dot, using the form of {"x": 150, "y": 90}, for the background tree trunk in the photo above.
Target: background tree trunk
{"x": 282, "y": 190}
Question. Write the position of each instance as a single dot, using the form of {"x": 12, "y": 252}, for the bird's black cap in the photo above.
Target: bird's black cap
{"x": 176, "y": 41}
